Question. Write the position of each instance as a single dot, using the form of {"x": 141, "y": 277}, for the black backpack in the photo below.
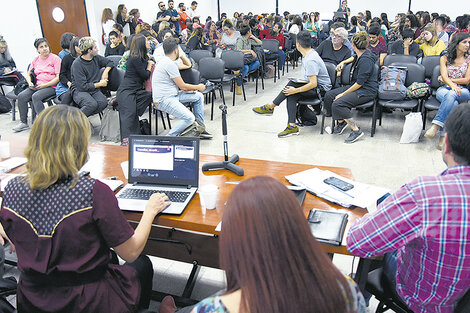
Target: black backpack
{"x": 5, "y": 105}
{"x": 305, "y": 116}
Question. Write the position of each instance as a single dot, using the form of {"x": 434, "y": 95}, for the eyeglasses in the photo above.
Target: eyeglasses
{"x": 162, "y": 6}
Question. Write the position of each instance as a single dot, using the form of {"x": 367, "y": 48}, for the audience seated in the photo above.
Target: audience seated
{"x": 132, "y": 98}
{"x": 257, "y": 249}
{"x": 197, "y": 40}
{"x": 64, "y": 256}
{"x": 170, "y": 91}
{"x": 119, "y": 30}
{"x": 246, "y": 43}
{"x": 62, "y": 90}
{"x": 65, "y": 40}
{"x": 8, "y": 65}
{"x": 375, "y": 45}
{"x": 455, "y": 74}
{"x": 86, "y": 79}
{"x": 336, "y": 25}
{"x": 115, "y": 46}
{"x": 275, "y": 33}
{"x": 363, "y": 88}
{"x": 314, "y": 73}
{"x": 211, "y": 34}
{"x": 46, "y": 69}
{"x": 423, "y": 227}
{"x": 412, "y": 22}
{"x": 334, "y": 50}
{"x": 429, "y": 43}
{"x": 183, "y": 61}
{"x": 407, "y": 45}
{"x": 439, "y": 24}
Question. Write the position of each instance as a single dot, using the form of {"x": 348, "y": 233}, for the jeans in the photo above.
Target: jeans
{"x": 448, "y": 99}
{"x": 282, "y": 59}
{"x": 175, "y": 106}
{"x": 246, "y": 69}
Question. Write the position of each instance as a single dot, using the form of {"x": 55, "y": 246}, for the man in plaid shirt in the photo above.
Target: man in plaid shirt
{"x": 426, "y": 226}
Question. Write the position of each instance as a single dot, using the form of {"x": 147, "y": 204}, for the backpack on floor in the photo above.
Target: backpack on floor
{"x": 110, "y": 130}
{"x": 418, "y": 91}
{"x": 305, "y": 116}
{"x": 392, "y": 83}
{"x": 5, "y": 105}
{"x": 269, "y": 71}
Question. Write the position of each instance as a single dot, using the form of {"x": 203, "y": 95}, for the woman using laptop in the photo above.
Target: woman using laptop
{"x": 271, "y": 259}
{"x": 63, "y": 225}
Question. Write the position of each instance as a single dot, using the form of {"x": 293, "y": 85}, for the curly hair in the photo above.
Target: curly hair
{"x": 452, "y": 48}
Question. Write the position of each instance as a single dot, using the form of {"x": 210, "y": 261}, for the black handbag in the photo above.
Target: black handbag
{"x": 248, "y": 58}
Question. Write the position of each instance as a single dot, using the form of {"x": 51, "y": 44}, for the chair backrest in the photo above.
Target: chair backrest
{"x": 115, "y": 77}
{"x": 430, "y": 63}
{"x": 212, "y": 68}
{"x": 197, "y": 55}
{"x": 401, "y": 58}
{"x": 415, "y": 72}
{"x": 233, "y": 59}
{"x": 434, "y": 77}
{"x": 331, "y": 68}
{"x": 270, "y": 44}
{"x": 463, "y": 305}
{"x": 115, "y": 59}
{"x": 191, "y": 76}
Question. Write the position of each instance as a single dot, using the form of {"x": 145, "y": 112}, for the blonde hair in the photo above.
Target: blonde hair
{"x": 163, "y": 25}
{"x": 57, "y": 146}
{"x": 361, "y": 40}
{"x": 85, "y": 44}
{"x": 432, "y": 30}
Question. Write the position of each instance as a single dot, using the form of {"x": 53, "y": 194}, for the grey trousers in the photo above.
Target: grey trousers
{"x": 90, "y": 102}
{"x": 36, "y": 97}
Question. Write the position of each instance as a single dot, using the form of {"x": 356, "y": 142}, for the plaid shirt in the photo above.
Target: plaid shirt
{"x": 428, "y": 222}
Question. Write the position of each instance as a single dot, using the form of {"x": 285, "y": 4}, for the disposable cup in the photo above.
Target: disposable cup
{"x": 4, "y": 149}
{"x": 208, "y": 195}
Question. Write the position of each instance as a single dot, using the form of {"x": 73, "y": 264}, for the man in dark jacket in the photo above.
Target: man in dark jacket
{"x": 86, "y": 78}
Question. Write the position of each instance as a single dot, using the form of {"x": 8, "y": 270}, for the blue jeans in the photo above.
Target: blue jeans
{"x": 448, "y": 99}
{"x": 248, "y": 68}
{"x": 175, "y": 106}
{"x": 282, "y": 59}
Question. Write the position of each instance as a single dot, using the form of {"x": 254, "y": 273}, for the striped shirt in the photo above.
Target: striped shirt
{"x": 428, "y": 222}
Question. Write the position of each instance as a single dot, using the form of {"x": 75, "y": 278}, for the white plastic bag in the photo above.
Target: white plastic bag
{"x": 412, "y": 128}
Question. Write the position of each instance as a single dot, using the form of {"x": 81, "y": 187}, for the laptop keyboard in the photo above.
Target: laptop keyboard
{"x": 144, "y": 194}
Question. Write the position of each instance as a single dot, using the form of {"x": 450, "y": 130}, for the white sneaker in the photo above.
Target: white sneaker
{"x": 20, "y": 127}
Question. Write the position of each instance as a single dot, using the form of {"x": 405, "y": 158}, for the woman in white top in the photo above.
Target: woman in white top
{"x": 107, "y": 23}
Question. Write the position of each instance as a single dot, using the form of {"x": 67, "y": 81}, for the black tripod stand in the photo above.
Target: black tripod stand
{"x": 228, "y": 163}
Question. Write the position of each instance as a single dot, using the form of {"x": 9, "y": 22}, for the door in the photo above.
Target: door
{"x": 74, "y": 20}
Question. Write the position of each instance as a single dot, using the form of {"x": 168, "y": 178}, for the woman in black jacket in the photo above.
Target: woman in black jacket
{"x": 132, "y": 98}
{"x": 65, "y": 76}
{"x": 363, "y": 87}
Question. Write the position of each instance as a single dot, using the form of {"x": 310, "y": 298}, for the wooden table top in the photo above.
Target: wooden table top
{"x": 105, "y": 161}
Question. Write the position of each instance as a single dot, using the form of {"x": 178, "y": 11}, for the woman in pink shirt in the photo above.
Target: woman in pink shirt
{"x": 46, "y": 68}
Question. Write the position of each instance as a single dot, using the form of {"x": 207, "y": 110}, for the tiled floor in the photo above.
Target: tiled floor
{"x": 380, "y": 160}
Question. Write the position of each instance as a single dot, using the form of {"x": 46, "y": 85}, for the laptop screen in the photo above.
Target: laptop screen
{"x": 164, "y": 160}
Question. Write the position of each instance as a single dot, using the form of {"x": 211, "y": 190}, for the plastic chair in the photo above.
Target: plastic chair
{"x": 415, "y": 73}
{"x": 234, "y": 62}
{"x": 197, "y": 55}
{"x": 429, "y": 63}
{"x": 399, "y": 58}
{"x": 212, "y": 69}
{"x": 273, "y": 46}
{"x": 115, "y": 59}
{"x": 432, "y": 104}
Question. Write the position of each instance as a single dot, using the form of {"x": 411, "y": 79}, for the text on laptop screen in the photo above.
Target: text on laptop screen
{"x": 157, "y": 160}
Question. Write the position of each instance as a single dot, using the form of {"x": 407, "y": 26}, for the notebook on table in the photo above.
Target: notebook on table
{"x": 162, "y": 164}
{"x": 327, "y": 227}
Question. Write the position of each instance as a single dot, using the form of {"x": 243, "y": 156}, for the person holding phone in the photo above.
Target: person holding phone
{"x": 46, "y": 69}
{"x": 405, "y": 46}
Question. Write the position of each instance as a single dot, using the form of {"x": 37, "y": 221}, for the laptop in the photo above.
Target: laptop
{"x": 163, "y": 164}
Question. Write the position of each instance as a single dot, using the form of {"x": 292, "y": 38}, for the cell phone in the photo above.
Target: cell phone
{"x": 338, "y": 183}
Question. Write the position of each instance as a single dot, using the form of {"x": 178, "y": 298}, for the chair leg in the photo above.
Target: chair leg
{"x": 243, "y": 91}
{"x": 275, "y": 69}
{"x": 212, "y": 105}
{"x": 168, "y": 120}
{"x": 374, "y": 119}
{"x": 13, "y": 110}
{"x": 322, "y": 122}
{"x": 150, "y": 116}
{"x": 222, "y": 94}
{"x": 233, "y": 92}
{"x": 380, "y": 115}
{"x": 163, "y": 119}
{"x": 425, "y": 113}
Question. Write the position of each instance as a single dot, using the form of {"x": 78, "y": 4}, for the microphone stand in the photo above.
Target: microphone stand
{"x": 227, "y": 163}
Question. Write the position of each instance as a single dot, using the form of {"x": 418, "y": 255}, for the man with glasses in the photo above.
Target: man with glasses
{"x": 360, "y": 21}
{"x": 162, "y": 15}
{"x": 334, "y": 51}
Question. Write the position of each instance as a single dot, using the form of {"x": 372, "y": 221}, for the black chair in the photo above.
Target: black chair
{"x": 273, "y": 46}
{"x": 415, "y": 73}
{"x": 48, "y": 100}
{"x": 399, "y": 58}
{"x": 12, "y": 97}
{"x": 429, "y": 63}
{"x": 197, "y": 55}
{"x": 291, "y": 51}
{"x": 212, "y": 69}
{"x": 115, "y": 59}
{"x": 234, "y": 62}
{"x": 432, "y": 104}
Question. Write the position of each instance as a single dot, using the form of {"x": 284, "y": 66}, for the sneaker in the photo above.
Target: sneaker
{"x": 20, "y": 127}
{"x": 339, "y": 128}
{"x": 205, "y": 135}
{"x": 289, "y": 131}
{"x": 264, "y": 109}
{"x": 354, "y": 136}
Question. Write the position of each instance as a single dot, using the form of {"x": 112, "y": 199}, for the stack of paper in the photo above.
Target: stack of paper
{"x": 362, "y": 195}
{"x": 11, "y": 163}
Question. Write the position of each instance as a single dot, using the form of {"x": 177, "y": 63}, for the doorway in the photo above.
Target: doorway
{"x": 61, "y": 16}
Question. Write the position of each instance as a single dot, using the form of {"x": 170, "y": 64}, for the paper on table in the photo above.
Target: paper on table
{"x": 125, "y": 168}
{"x": 112, "y": 183}
{"x": 219, "y": 227}
{"x": 362, "y": 195}
{"x": 11, "y": 163}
